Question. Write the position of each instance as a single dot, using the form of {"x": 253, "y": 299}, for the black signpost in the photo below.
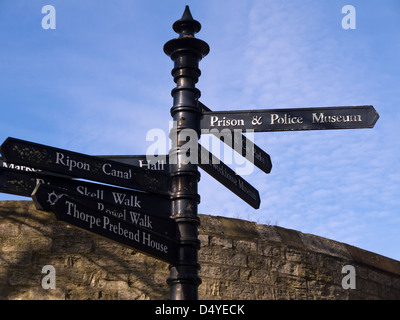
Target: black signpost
{"x": 149, "y": 205}
{"x": 186, "y": 51}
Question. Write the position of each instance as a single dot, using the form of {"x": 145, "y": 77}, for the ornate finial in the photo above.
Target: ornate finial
{"x": 186, "y": 26}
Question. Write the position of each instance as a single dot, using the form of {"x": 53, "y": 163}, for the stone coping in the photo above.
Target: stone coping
{"x": 247, "y": 230}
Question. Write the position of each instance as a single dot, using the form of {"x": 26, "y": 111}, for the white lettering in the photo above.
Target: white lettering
{"x": 16, "y": 167}
{"x": 119, "y": 230}
{"x": 122, "y": 198}
{"x": 349, "y": 20}
{"x": 248, "y": 167}
{"x": 116, "y": 173}
{"x": 349, "y": 280}
{"x": 322, "y": 118}
{"x": 214, "y": 120}
{"x": 157, "y": 150}
{"x": 172, "y": 310}
{"x": 286, "y": 119}
{"x": 70, "y": 163}
{"x": 91, "y": 220}
{"x": 49, "y": 280}
{"x": 141, "y": 220}
{"x": 188, "y": 152}
{"x": 98, "y": 194}
{"x": 147, "y": 164}
{"x": 146, "y": 240}
{"x": 49, "y": 20}
{"x": 221, "y": 309}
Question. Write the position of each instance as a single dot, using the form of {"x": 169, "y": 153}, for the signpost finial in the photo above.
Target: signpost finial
{"x": 186, "y": 26}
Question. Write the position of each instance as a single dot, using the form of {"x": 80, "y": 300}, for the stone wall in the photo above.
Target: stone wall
{"x": 239, "y": 259}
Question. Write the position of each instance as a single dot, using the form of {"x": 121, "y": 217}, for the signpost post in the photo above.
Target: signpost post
{"x": 186, "y": 51}
{"x": 156, "y": 210}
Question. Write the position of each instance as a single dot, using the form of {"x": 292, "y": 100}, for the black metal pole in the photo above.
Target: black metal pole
{"x": 186, "y": 51}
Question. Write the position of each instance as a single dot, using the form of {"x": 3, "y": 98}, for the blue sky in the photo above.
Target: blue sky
{"x": 100, "y": 81}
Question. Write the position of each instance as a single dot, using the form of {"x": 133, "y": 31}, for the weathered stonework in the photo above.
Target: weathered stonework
{"x": 239, "y": 260}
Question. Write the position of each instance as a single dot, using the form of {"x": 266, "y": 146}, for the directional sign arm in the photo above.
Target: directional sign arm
{"x": 353, "y": 117}
{"x": 84, "y": 166}
{"x": 77, "y": 214}
{"x": 23, "y": 183}
{"x": 45, "y": 195}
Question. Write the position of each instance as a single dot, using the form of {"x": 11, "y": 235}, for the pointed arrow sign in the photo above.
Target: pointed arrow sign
{"x": 84, "y": 166}
{"x": 45, "y": 195}
{"x": 77, "y": 214}
{"x": 354, "y": 117}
